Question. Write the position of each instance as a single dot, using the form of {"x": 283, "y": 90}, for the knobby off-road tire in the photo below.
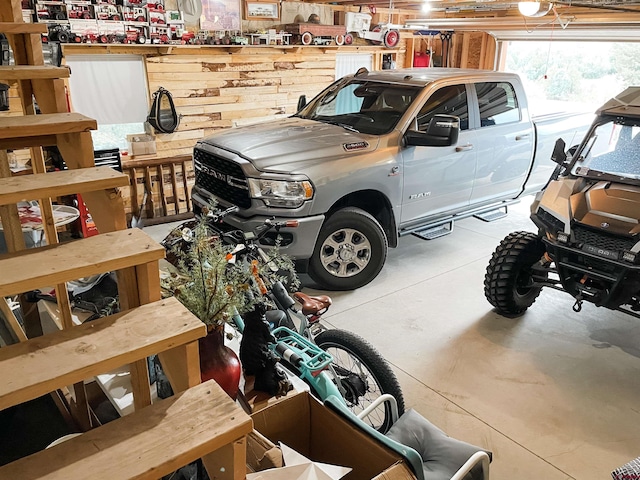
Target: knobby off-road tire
{"x": 508, "y": 283}
{"x": 350, "y": 250}
{"x": 364, "y": 373}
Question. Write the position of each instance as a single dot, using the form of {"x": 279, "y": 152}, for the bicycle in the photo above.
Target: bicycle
{"x": 332, "y": 362}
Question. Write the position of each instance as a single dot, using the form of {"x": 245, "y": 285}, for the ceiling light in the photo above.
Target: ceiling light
{"x": 534, "y": 9}
{"x": 426, "y": 7}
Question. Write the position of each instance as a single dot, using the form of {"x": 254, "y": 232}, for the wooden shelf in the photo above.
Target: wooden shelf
{"x": 56, "y": 184}
{"x": 44, "y": 364}
{"x": 60, "y": 263}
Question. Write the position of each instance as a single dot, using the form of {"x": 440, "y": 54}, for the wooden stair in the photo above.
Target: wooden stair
{"x": 58, "y": 184}
{"x": 43, "y": 130}
{"x": 28, "y": 270}
{"x": 199, "y": 421}
{"x": 43, "y": 364}
{"x": 33, "y": 72}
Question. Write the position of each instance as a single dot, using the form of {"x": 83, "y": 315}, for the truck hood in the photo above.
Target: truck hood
{"x": 291, "y": 144}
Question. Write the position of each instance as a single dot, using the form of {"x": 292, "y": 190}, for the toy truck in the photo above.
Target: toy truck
{"x": 313, "y": 33}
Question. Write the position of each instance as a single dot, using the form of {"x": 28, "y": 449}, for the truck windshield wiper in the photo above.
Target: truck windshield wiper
{"x": 346, "y": 126}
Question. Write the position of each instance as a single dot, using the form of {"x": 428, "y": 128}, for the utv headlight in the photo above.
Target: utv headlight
{"x": 281, "y": 193}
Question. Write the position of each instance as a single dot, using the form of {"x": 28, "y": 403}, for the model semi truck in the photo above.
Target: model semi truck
{"x": 379, "y": 155}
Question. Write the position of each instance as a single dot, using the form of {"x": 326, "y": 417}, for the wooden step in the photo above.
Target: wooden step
{"x": 43, "y": 364}
{"x": 147, "y": 444}
{"x": 33, "y": 72}
{"x": 12, "y": 28}
{"x": 56, "y": 184}
{"x": 31, "y": 130}
{"x": 56, "y": 264}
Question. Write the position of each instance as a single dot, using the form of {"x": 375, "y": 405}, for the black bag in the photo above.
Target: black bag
{"x": 163, "y": 116}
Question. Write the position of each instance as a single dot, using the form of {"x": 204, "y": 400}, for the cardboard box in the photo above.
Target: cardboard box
{"x": 141, "y": 144}
{"x": 307, "y": 426}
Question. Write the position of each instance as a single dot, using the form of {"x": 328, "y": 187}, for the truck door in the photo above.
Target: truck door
{"x": 504, "y": 144}
{"x": 438, "y": 179}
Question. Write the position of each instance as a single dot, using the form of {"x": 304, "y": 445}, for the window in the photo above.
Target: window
{"x": 498, "y": 103}
{"x": 113, "y": 90}
{"x": 449, "y": 101}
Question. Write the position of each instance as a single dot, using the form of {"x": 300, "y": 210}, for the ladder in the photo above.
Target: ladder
{"x": 200, "y": 421}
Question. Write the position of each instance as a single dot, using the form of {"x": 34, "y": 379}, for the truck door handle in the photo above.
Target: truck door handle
{"x": 522, "y": 137}
{"x": 464, "y": 148}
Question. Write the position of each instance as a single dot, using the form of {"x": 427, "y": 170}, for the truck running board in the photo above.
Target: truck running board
{"x": 434, "y": 232}
{"x": 492, "y": 215}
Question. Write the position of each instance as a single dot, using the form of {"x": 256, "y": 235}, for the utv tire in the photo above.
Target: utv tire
{"x": 350, "y": 250}
{"x": 508, "y": 282}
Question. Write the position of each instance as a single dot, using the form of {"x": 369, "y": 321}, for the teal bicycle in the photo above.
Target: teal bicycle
{"x": 334, "y": 363}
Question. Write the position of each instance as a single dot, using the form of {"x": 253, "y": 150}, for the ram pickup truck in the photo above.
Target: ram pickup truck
{"x": 379, "y": 155}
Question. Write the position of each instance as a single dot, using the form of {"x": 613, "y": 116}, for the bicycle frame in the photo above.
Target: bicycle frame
{"x": 305, "y": 356}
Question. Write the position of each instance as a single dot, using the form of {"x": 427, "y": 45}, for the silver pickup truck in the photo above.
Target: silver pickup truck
{"x": 378, "y": 155}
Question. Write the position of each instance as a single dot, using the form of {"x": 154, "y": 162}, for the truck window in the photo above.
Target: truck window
{"x": 498, "y": 103}
{"x": 447, "y": 100}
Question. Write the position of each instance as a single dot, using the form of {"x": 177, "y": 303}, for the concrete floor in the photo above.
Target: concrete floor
{"x": 553, "y": 393}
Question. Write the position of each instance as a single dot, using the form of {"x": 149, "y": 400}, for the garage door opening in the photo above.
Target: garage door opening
{"x": 574, "y": 76}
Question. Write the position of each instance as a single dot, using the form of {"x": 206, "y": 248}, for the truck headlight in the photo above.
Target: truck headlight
{"x": 281, "y": 193}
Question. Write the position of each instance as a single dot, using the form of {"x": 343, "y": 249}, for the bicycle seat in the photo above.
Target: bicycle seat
{"x": 313, "y": 305}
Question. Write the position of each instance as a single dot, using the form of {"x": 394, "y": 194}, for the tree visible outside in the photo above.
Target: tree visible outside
{"x": 576, "y": 76}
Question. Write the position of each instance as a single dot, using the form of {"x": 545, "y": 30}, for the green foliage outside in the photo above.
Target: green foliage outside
{"x": 584, "y": 74}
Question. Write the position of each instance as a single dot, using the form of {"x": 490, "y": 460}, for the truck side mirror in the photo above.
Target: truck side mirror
{"x": 302, "y": 102}
{"x": 559, "y": 155}
{"x": 443, "y": 131}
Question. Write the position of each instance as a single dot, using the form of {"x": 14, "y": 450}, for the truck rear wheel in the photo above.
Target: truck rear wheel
{"x": 350, "y": 251}
{"x": 508, "y": 282}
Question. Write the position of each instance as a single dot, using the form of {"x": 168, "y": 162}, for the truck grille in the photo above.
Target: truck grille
{"x": 221, "y": 177}
{"x": 602, "y": 240}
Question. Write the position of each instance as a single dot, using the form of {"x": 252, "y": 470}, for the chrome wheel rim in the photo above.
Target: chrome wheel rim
{"x": 345, "y": 253}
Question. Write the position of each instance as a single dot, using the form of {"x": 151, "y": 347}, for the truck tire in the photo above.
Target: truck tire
{"x": 350, "y": 250}
{"x": 508, "y": 282}
{"x": 339, "y": 40}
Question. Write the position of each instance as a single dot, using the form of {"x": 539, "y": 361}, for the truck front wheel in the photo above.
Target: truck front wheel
{"x": 350, "y": 251}
{"x": 508, "y": 282}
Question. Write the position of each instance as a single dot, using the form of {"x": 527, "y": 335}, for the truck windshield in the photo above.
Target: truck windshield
{"x": 366, "y": 107}
{"x": 613, "y": 150}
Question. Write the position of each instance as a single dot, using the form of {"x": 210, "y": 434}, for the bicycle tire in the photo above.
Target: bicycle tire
{"x": 346, "y": 347}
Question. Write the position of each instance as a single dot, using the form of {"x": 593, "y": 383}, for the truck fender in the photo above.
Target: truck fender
{"x": 374, "y": 203}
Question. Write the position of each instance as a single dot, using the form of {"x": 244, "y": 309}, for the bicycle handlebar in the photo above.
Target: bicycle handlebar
{"x": 238, "y": 236}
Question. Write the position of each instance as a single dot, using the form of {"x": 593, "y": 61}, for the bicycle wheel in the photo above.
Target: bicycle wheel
{"x": 363, "y": 373}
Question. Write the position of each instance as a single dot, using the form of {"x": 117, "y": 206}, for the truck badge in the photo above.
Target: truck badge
{"x": 349, "y": 147}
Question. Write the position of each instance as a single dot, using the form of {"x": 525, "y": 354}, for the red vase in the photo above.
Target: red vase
{"x": 219, "y": 362}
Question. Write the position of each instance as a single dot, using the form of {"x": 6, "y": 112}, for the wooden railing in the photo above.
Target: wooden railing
{"x": 167, "y": 183}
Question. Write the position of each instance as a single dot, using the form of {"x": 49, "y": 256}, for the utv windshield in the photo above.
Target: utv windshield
{"x": 361, "y": 106}
{"x": 612, "y": 152}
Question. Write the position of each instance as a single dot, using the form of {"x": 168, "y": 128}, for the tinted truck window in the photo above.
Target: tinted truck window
{"x": 498, "y": 103}
{"x": 447, "y": 100}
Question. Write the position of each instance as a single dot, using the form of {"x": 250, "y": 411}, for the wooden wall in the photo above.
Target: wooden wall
{"x": 213, "y": 88}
